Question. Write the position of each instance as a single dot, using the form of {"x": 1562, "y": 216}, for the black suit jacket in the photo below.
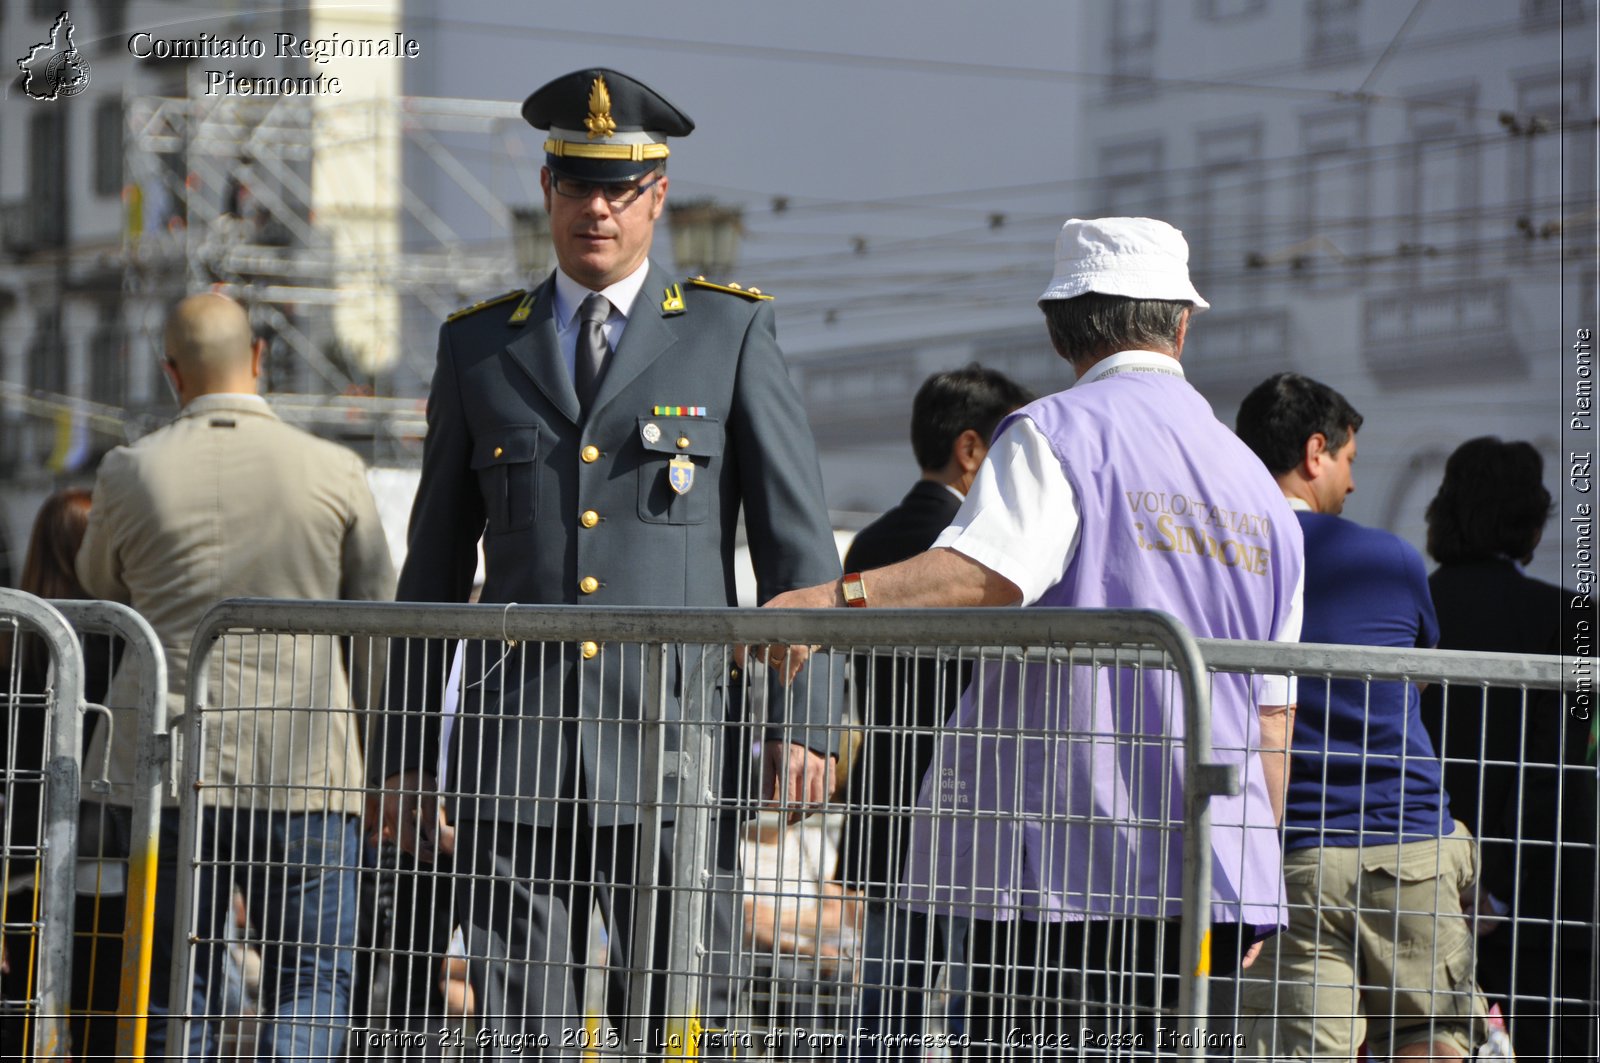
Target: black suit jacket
{"x": 900, "y": 700}
{"x": 562, "y": 498}
{"x": 1536, "y": 756}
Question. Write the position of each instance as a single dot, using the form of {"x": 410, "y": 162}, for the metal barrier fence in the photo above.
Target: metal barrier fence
{"x": 108, "y": 898}
{"x": 117, "y": 872}
{"x": 1445, "y": 941}
{"x": 416, "y": 955}
{"x": 43, "y": 714}
{"x": 576, "y": 943}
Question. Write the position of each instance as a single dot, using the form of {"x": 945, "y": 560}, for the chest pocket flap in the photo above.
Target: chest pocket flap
{"x": 699, "y": 437}
{"x": 508, "y": 475}
{"x": 511, "y": 443}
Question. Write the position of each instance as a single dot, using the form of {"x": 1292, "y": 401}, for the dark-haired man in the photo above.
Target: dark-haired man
{"x": 902, "y": 700}
{"x": 1024, "y": 822}
{"x": 1376, "y": 947}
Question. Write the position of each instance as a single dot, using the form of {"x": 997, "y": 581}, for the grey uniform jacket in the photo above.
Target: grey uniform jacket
{"x": 579, "y": 510}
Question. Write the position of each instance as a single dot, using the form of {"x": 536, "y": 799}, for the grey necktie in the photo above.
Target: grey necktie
{"x": 590, "y": 363}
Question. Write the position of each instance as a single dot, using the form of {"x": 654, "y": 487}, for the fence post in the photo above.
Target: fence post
{"x": 58, "y": 859}
{"x": 190, "y": 735}
{"x": 142, "y": 657}
{"x": 691, "y": 844}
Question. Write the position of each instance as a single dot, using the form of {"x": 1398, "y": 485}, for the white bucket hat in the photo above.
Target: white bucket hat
{"x": 1140, "y": 258}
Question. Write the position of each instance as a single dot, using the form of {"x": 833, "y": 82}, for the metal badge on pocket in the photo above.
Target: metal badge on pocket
{"x": 680, "y": 474}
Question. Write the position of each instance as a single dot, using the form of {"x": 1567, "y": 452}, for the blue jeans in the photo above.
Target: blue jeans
{"x": 902, "y": 953}
{"x": 298, "y": 873}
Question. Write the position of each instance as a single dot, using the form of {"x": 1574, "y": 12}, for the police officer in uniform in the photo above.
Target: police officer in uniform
{"x": 602, "y": 433}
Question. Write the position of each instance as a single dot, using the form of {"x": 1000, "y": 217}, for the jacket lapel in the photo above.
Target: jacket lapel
{"x": 647, "y": 337}
{"x": 538, "y": 352}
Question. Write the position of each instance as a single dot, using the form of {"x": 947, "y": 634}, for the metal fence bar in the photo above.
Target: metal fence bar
{"x": 142, "y": 657}
{"x": 1545, "y": 672}
{"x": 1013, "y": 629}
{"x": 1545, "y": 846}
{"x": 651, "y": 770}
{"x": 1537, "y": 671}
{"x": 59, "y": 844}
{"x": 836, "y": 628}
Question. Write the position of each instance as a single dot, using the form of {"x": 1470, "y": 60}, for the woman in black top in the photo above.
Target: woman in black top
{"x": 1515, "y": 763}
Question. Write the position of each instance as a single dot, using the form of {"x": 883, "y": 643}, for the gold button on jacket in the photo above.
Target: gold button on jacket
{"x": 588, "y": 585}
{"x": 589, "y": 650}
{"x": 589, "y": 518}
{"x": 590, "y": 454}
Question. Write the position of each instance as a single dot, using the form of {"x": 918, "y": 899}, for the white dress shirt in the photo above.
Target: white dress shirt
{"x": 569, "y": 298}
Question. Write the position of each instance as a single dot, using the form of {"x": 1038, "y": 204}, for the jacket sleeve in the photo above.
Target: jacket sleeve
{"x": 447, "y": 515}
{"x": 366, "y": 570}
{"x": 786, "y": 520}
{"x": 447, "y": 518}
{"x": 99, "y": 561}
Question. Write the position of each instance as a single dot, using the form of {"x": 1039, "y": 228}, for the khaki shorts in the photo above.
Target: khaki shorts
{"x": 1377, "y": 950}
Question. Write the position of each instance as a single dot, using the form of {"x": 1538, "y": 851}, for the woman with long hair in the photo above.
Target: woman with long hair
{"x": 1515, "y": 761}
{"x": 48, "y": 567}
{"x": 48, "y": 571}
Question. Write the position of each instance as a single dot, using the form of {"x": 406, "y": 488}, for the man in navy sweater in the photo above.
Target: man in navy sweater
{"x": 1377, "y": 948}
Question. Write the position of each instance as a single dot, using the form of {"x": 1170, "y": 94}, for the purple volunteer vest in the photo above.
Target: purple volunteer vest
{"x": 1055, "y": 796}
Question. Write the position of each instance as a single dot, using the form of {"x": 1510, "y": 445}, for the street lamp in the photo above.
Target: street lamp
{"x": 530, "y": 243}
{"x": 705, "y": 236}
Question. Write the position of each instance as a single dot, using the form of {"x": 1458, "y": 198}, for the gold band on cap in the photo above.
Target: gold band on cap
{"x": 630, "y": 152}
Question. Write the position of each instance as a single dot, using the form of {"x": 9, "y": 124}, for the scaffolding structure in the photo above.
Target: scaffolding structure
{"x": 299, "y": 208}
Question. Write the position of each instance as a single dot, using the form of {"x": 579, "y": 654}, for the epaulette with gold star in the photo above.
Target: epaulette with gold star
{"x": 753, "y": 294}
{"x": 475, "y": 307}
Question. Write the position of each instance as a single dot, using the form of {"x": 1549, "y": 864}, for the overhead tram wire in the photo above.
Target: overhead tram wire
{"x": 1451, "y": 264}
{"x": 1393, "y": 46}
{"x": 1278, "y": 230}
{"x": 1389, "y": 152}
{"x": 1513, "y": 28}
{"x": 1264, "y": 169}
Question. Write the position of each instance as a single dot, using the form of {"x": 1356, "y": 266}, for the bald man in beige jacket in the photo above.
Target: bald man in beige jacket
{"x": 228, "y": 501}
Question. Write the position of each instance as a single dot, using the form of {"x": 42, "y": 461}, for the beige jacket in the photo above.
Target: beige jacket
{"x": 228, "y": 501}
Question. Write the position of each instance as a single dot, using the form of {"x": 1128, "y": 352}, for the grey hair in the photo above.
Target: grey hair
{"x": 1093, "y": 325}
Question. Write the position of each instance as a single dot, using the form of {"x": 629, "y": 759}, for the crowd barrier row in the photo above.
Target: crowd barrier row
{"x": 78, "y": 891}
{"x": 767, "y": 929}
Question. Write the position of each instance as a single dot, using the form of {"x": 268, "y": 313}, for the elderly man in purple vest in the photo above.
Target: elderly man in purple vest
{"x": 1043, "y": 811}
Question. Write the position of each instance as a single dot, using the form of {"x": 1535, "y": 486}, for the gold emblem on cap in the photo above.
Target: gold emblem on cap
{"x": 599, "y": 123}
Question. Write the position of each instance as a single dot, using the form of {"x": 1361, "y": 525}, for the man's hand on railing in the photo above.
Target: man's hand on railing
{"x": 787, "y": 661}
{"x": 407, "y": 813}
{"x": 794, "y": 779}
